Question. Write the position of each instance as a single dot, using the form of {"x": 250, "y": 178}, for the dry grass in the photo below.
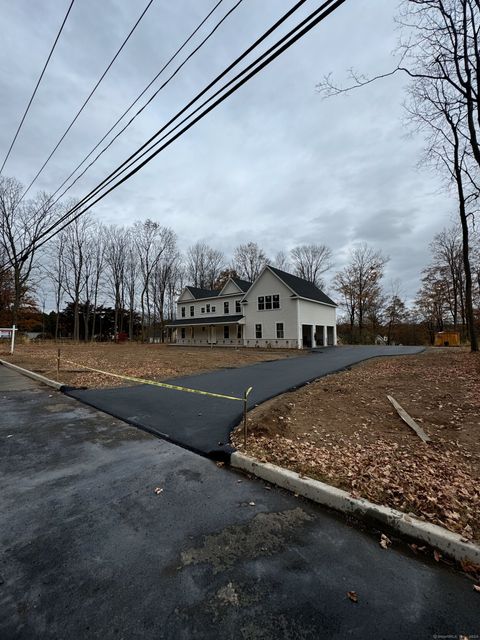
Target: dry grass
{"x": 150, "y": 361}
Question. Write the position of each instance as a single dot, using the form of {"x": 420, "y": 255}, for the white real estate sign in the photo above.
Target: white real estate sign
{"x": 8, "y": 333}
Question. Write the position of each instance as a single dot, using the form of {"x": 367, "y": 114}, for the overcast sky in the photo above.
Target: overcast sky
{"x": 274, "y": 163}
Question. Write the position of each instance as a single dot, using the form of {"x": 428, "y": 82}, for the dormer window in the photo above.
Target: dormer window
{"x": 202, "y": 310}
{"x": 226, "y": 307}
{"x": 213, "y": 309}
{"x": 208, "y": 308}
{"x": 192, "y": 311}
{"x": 238, "y": 307}
{"x": 183, "y": 312}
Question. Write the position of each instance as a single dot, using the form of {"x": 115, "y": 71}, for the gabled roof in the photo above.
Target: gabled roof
{"x": 301, "y": 287}
{"x": 198, "y": 293}
{"x": 244, "y": 285}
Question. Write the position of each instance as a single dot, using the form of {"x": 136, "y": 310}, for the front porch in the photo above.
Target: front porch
{"x": 227, "y": 331}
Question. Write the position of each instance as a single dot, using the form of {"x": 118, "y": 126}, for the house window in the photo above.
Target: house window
{"x": 276, "y": 301}
{"x": 183, "y": 333}
{"x": 203, "y": 309}
{"x": 226, "y": 332}
{"x": 268, "y": 302}
{"x": 238, "y": 307}
{"x": 226, "y": 307}
{"x": 192, "y": 311}
{"x": 208, "y": 308}
{"x": 183, "y": 312}
{"x": 239, "y": 331}
{"x": 261, "y": 303}
{"x": 258, "y": 331}
{"x": 280, "y": 332}
{"x": 213, "y": 309}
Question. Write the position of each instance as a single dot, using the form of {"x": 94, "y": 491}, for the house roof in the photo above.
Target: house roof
{"x": 188, "y": 322}
{"x": 302, "y": 287}
{"x": 244, "y": 285}
{"x": 198, "y": 293}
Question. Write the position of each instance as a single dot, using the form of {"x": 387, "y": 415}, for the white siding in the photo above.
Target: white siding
{"x": 217, "y": 302}
{"x": 293, "y": 313}
{"x": 269, "y": 284}
{"x": 230, "y": 287}
{"x": 312, "y": 313}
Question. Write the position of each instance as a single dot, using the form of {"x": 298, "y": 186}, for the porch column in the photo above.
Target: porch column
{"x": 325, "y": 343}
{"x": 334, "y": 335}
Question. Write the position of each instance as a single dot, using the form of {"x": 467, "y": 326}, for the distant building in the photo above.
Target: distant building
{"x": 278, "y": 310}
{"x": 447, "y": 339}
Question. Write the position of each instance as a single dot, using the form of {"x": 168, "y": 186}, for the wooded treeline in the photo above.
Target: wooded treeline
{"x": 104, "y": 280}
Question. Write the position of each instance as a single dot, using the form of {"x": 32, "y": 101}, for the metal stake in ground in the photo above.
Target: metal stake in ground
{"x": 245, "y": 396}
{"x": 58, "y": 364}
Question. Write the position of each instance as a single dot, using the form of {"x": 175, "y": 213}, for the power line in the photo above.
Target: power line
{"x": 257, "y": 42}
{"x": 88, "y": 98}
{"x": 250, "y": 71}
{"x": 152, "y": 97}
{"x": 36, "y": 86}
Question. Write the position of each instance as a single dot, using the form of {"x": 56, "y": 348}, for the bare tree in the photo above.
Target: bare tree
{"x": 152, "y": 241}
{"x": 204, "y": 265}
{"x": 395, "y": 311}
{"x": 21, "y": 223}
{"x": 440, "y": 53}
{"x": 116, "y": 256}
{"x": 131, "y": 281}
{"x": 249, "y": 260}
{"x": 281, "y": 261}
{"x": 164, "y": 274}
{"x": 446, "y": 250}
{"x": 311, "y": 261}
{"x": 77, "y": 237}
{"x": 55, "y": 270}
{"x": 359, "y": 284}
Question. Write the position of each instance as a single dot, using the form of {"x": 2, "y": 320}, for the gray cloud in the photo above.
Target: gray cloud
{"x": 275, "y": 163}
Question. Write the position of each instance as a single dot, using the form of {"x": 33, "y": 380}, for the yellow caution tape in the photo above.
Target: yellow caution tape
{"x": 164, "y": 385}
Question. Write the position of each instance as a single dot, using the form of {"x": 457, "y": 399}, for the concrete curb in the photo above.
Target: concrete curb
{"x": 59, "y": 386}
{"x": 449, "y": 543}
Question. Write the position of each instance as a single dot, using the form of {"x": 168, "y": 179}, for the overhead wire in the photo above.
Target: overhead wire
{"x": 250, "y": 71}
{"x": 265, "y": 35}
{"x": 12, "y": 144}
{"x": 152, "y": 97}
{"x": 87, "y": 100}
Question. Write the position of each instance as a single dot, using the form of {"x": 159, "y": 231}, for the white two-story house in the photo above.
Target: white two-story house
{"x": 278, "y": 310}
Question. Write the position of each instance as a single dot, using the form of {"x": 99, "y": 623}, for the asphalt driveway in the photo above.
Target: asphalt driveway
{"x": 203, "y": 424}
{"x": 89, "y": 550}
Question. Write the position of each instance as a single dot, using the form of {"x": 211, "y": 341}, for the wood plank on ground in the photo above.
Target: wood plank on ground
{"x": 409, "y": 420}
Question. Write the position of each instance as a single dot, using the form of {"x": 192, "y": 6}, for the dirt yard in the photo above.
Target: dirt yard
{"x": 343, "y": 430}
{"x": 153, "y": 362}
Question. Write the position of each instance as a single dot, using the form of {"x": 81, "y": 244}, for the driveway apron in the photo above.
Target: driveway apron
{"x": 202, "y": 423}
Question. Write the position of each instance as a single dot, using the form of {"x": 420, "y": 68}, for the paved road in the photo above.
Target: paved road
{"x": 89, "y": 551}
{"x": 203, "y": 424}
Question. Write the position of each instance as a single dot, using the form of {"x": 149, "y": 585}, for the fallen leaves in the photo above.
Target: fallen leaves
{"x": 385, "y": 542}
{"x": 352, "y": 595}
{"x": 340, "y": 430}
